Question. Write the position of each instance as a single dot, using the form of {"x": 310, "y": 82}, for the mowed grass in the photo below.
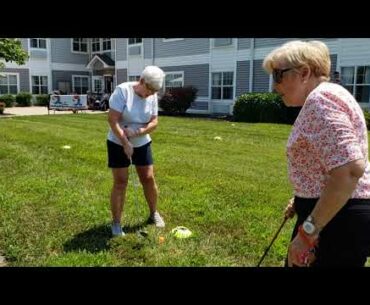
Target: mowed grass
{"x": 54, "y": 202}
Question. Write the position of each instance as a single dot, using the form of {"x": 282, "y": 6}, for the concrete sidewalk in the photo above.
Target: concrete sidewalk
{"x": 38, "y": 110}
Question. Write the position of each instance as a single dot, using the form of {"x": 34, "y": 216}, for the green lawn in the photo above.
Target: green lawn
{"x": 54, "y": 203}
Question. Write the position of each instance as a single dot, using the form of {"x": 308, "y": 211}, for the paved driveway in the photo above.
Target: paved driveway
{"x": 37, "y": 110}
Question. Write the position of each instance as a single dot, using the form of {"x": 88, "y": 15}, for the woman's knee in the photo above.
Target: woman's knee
{"x": 120, "y": 184}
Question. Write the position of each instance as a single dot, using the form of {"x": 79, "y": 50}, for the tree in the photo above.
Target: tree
{"x": 11, "y": 50}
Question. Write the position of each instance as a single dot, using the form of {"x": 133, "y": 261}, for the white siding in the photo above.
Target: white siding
{"x": 354, "y": 51}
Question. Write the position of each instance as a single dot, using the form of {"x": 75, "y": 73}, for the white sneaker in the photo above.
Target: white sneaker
{"x": 117, "y": 230}
{"x": 157, "y": 220}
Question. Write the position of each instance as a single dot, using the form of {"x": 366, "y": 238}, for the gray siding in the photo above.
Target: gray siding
{"x": 188, "y": 46}
{"x": 333, "y": 67}
{"x": 24, "y": 78}
{"x": 134, "y": 50}
{"x": 195, "y": 75}
{"x": 65, "y": 76}
{"x": 244, "y": 43}
{"x": 39, "y": 53}
{"x": 121, "y": 49}
{"x": 242, "y": 77}
{"x": 121, "y": 76}
{"x": 61, "y": 52}
{"x": 260, "y": 77}
{"x": 271, "y": 42}
{"x": 148, "y": 42}
{"x": 199, "y": 105}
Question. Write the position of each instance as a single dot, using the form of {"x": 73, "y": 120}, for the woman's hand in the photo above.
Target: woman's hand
{"x": 300, "y": 252}
{"x": 129, "y": 132}
{"x": 128, "y": 149}
{"x": 290, "y": 210}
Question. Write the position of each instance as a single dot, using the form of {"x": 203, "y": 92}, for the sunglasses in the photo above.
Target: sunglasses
{"x": 277, "y": 74}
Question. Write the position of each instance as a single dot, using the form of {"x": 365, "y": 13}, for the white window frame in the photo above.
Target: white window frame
{"x": 140, "y": 44}
{"x": 174, "y": 72}
{"x": 81, "y": 76}
{"x": 38, "y": 44}
{"x": 92, "y": 50}
{"x": 354, "y": 83}
{"x": 101, "y": 79}
{"x": 80, "y": 43}
{"x": 137, "y": 77}
{"x": 39, "y": 85}
{"x": 222, "y": 86}
{"x": 9, "y": 73}
{"x": 101, "y": 44}
{"x": 171, "y": 39}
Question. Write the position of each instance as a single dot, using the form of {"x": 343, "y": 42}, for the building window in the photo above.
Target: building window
{"x": 107, "y": 44}
{"x": 222, "y": 85}
{"x": 357, "y": 81}
{"x": 38, "y": 43}
{"x": 174, "y": 80}
{"x": 95, "y": 45}
{"x": 134, "y": 40}
{"x": 97, "y": 85}
{"x": 80, "y": 84}
{"x": 133, "y": 78}
{"x": 8, "y": 84}
{"x": 39, "y": 84}
{"x": 79, "y": 45}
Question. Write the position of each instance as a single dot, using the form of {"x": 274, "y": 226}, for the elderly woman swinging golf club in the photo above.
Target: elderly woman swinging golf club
{"x": 327, "y": 160}
{"x": 132, "y": 116}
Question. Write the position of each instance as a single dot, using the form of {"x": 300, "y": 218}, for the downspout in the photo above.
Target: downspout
{"x": 251, "y": 66}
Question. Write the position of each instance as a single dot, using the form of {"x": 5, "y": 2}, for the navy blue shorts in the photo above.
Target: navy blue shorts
{"x": 117, "y": 158}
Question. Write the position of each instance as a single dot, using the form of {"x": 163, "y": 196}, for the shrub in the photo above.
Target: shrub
{"x": 367, "y": 118}
{"x": 42, "y": 100}
{"x": 8, "y": 99}
{"x": 23, "y": 99}
{"x": 178, "y": 100}
{"x": 263, "y": 107}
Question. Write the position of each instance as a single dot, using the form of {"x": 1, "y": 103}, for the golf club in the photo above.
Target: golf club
{"x": 275, "y": 236}
{"x": 135, "y": 183}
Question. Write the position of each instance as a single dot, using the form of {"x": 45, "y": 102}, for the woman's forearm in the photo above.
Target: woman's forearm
{"x": 340, "y": 185}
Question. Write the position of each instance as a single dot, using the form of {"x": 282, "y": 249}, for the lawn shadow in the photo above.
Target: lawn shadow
{"x": 93, "y": 240}
{"x": 97, "y": 238}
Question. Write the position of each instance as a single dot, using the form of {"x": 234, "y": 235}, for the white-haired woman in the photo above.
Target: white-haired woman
{"x": 327, "y": 160}
{"x": 133, "y": 115}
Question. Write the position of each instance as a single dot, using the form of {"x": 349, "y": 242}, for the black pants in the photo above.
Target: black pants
{"x": 345, "y": 240}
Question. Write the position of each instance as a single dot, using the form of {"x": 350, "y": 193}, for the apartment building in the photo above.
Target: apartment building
{"x": 221, "y": 68}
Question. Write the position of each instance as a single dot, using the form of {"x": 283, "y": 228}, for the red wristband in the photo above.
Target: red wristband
{"x": 310, "y": 241}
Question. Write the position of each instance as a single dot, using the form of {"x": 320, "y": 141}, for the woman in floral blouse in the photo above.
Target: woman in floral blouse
{"x": 327, "y": 160}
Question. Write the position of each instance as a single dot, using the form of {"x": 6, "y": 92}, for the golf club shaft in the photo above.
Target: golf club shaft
{"x": 134, "y": 182}
{"x": 268, "y": 248}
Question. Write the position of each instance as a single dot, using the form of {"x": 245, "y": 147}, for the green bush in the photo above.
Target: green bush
{"x": 259, "y": 107}
{"x": 367, "y": 118}
{"x": 23, "y": 99}
{"x": 8, "y": 99}
{"x": 263, "y": 107}
{"x": 42, "y": 100}
{"x": 178, "y": 100}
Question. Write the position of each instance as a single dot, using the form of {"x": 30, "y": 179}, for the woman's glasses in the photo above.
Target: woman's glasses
{"x": 277, "y": 74}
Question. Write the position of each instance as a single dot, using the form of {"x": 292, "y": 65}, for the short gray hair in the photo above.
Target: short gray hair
{"x": 296, "y": 54}
{"x": 153, "y": 76}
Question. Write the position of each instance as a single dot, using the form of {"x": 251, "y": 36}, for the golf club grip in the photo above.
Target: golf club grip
{"x": 273, "y": 239}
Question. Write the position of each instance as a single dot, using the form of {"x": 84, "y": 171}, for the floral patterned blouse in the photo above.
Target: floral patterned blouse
{"x": 329, "y": 132}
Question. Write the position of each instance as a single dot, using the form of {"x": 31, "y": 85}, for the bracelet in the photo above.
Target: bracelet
{"x": 310, "y": 241}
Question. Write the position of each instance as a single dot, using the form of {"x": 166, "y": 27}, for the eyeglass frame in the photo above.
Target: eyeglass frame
{"x": 277, "y": 74}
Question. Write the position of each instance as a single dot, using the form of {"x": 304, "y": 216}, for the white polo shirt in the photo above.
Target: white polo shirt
{"x": 136, "y": 111}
